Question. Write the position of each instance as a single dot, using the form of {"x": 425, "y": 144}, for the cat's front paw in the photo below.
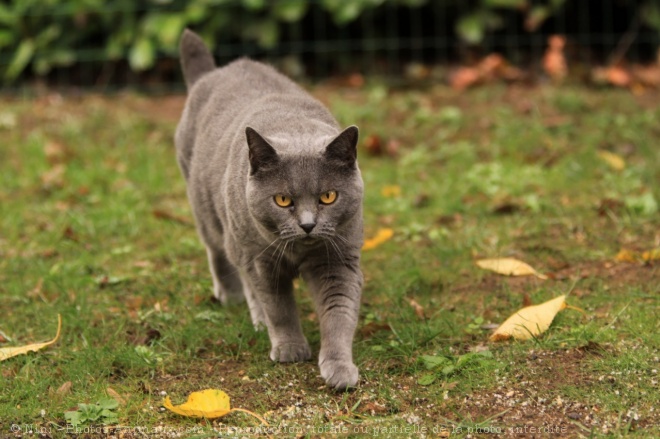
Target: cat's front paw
{"x": 341, "y": 375}
{"x": 291, "y": 352}
{"x": 228, "y": 297}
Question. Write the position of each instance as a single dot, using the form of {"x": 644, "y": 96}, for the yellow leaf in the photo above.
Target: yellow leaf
{"x": 381, "y": 236}
{"x": 9, "y": 352}
{"x": 627, "y": 256}
{"x": 530, "y": 321}
{"x": 509, "y": 267}
{"x": 391, "y": 191}
{"x": 651, "y": 255}
{"x": 615, "y": 161}
{"x": 209, "y": 403}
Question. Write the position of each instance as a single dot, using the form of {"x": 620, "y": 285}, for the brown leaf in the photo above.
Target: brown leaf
{"x": 55, "y": 152}
{"x": 64, "y": 388}
{"x": 393, "y": 147}
{"x": 54, "y": 177}
{"x": 419, "y": 309}
{"x": 506, "y": 208}
{"x": 464, "y": 77}
{"x": 116, "y": 396}
{"x": 373, "y": 144}
{"x": 162, "y": 214}
{"x": 609, "y": 205}
{"x": 37, "y": 290}
{"x": 618, "y": 76}
{"x": 647, "y": 75}
{"x": 373, "y": 327}
{"x": 554, "y": 61}
{"x": 69, "y": 234}
{"x": 373, "y": 408}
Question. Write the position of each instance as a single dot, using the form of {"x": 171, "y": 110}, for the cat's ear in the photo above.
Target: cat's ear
{"x": 344, "y": 147}
{"x": 196, "y": 59}
{"x": 261, "y": 153}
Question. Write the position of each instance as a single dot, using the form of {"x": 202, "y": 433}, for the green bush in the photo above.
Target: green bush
{"x": 46, "y": 34}
{"x": 37, "y": 36}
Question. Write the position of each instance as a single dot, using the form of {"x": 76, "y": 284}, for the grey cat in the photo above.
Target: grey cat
{"x": 276, "y": 192}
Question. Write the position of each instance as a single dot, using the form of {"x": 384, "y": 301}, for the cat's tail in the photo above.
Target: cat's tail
{"x": 196, "y": 58}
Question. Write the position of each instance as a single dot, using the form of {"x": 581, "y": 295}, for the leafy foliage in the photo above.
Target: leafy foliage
{"x": 37, "y": 36}
{"x": 101, "y": 412}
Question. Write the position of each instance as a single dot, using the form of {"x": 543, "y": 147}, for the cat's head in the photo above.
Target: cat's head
{"x": 306, "y": 194}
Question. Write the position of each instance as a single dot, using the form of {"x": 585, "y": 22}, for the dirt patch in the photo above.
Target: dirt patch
{"x": 534, "y": 402}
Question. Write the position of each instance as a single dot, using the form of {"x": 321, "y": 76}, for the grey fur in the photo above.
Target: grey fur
{"x": 248, "y": 133}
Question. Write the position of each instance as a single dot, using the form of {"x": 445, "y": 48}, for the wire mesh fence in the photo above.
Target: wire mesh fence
{"x": 109, "y": 45}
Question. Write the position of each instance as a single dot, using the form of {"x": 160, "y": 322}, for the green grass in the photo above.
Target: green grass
{"x": 488, "y": 173}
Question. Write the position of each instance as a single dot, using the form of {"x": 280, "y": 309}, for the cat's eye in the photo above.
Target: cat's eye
{"x": 283, "y": 200}
{"x": 328, "y": 197}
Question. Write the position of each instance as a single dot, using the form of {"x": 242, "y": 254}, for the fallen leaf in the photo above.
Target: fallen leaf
{"x": 391, "y": 191}
{"x": 54, "y": 177}
{"x": 627, "y": 256}
{"x": 381, "y": 236}
{"x": 64, "y": 388}
{"x": 618, "y": 76}
{"x": 116, "y": 396}
{"x": 373, "y": 144}
{"x": 37, "y": 290}
{"x": 393, "y": 147}
{"x": 162, "y": 214}
{"x": 55, "y": 152}
{"x": 419, "y": 309}
{"x": 614, "y": 161}
{"x": 373, "y": 408}
{"x": 464, "y": 77}
{"x": 355, "y": 80}
{"x": 633, "y": 256}
{"x": 9, "y": 352}
{"x": 372, "y": 327}
{"x": 554, "y": 61}
{"x": 491, "y": 67}
{"x": 209, "y": 404}
{"x": 530, "y": 321}
{"x": 509, "y": 267}
{"x": 651, "y": 255}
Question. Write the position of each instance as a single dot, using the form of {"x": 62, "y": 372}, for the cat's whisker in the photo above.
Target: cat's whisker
{"x": 260, "y": 253}
{"x": 343, "y": 238}
{"x": 337, "y": 249}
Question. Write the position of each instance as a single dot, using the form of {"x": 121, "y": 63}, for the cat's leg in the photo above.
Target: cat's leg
{"x": 227, "y": 286}
{"x": 337, "y": 290}
{"x": 256, "y": 312}
{"x": 275, "y": 298}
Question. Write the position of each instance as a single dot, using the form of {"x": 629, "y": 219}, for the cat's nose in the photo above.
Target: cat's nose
{"x": 307, "y": 227}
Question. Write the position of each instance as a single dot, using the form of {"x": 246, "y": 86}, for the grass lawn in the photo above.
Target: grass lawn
{"x": 95, "y": 226}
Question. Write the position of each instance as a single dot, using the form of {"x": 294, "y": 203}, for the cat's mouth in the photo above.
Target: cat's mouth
{"x": 308, "y": 239}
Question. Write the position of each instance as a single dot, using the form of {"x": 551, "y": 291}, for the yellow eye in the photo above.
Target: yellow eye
{"x": 328, "y": 197}
{"x": 283, "y": 200}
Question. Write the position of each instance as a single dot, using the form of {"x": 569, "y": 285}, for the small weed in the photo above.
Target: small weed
{"x": 88, "y": 414}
